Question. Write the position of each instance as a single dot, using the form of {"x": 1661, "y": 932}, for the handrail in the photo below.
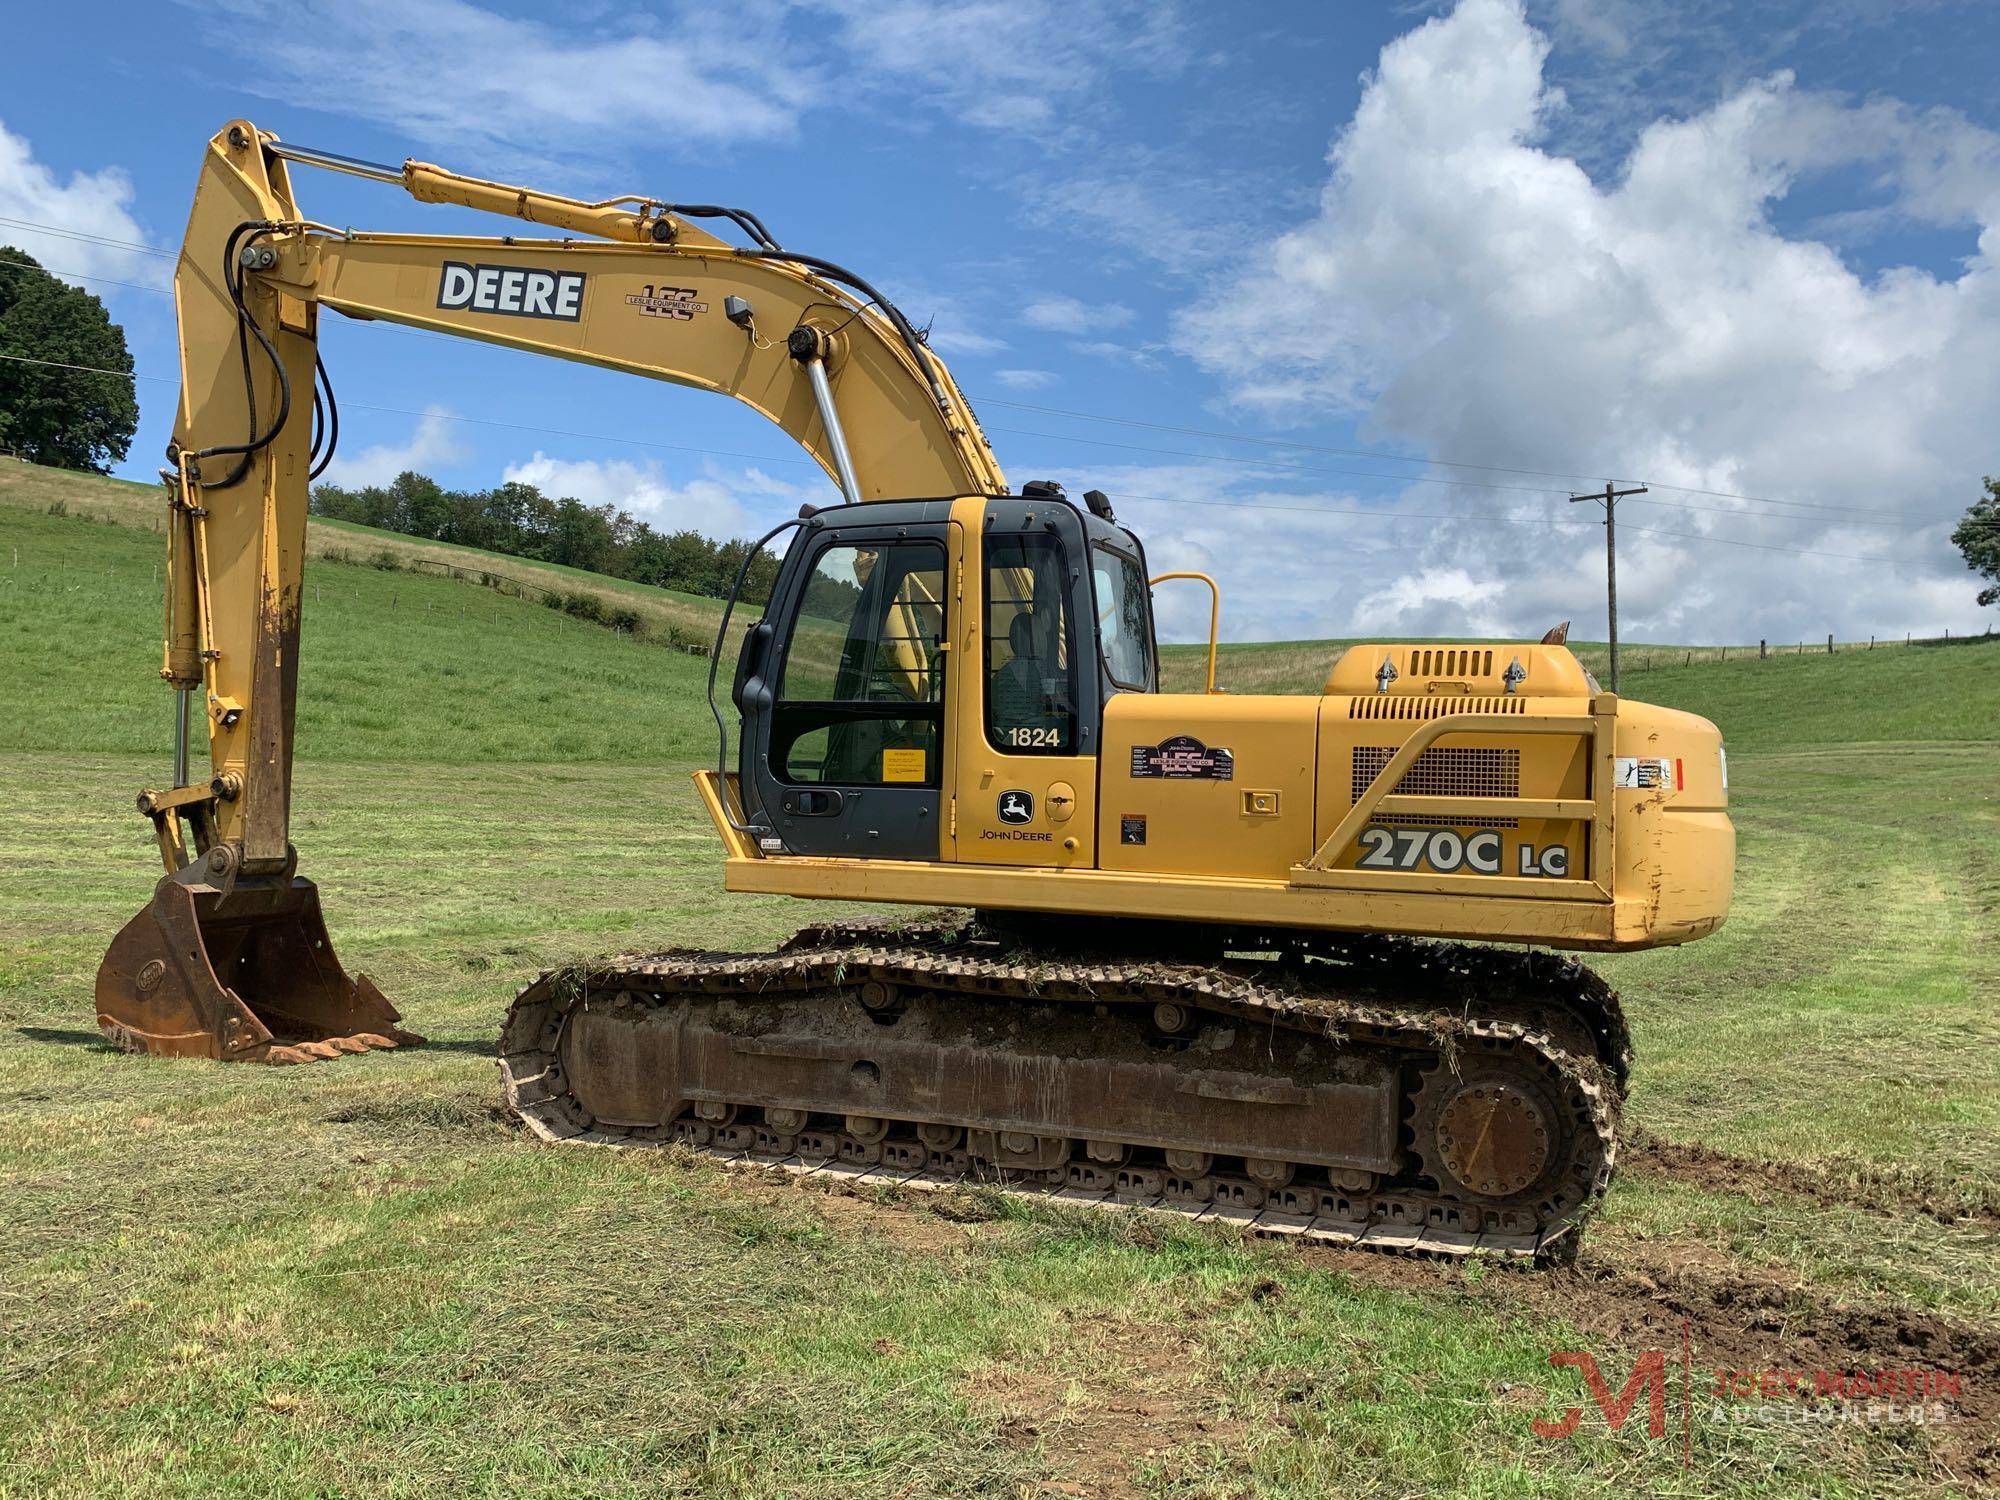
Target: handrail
{"x": 1379, "y": 796}
{"x": 1214, "y": 613}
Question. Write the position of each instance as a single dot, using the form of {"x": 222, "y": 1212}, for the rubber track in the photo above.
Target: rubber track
{"x": 1409, "y": 995}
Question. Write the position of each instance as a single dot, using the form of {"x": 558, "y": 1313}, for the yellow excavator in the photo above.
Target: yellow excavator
{"x": 1211, "y": 954}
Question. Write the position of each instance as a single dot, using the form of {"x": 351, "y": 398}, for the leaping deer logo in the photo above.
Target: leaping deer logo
{"x": 1017, "y": 807}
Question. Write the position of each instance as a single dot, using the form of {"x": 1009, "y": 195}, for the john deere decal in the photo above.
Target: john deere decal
{"x": 518, "y": 291}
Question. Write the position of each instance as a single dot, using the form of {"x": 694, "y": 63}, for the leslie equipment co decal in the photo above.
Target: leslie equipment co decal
{"x": 675, "y": 302}
{"x": 517, "y": 291}
{"x": 1183, "y": 758}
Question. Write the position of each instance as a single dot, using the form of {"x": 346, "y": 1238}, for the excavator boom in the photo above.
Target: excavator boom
{"x": 232, "y": 959}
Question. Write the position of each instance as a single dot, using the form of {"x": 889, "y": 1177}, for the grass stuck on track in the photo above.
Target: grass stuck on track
{"x": 359, "y": 1278}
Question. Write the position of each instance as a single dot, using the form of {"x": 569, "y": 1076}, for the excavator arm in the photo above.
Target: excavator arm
{"x": 231, "y": 958}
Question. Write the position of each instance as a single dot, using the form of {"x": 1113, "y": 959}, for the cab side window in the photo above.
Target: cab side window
{"x": 1030, "y": 661}
{"x": 1124, "y": 618}
{"x": 861, "y": 701}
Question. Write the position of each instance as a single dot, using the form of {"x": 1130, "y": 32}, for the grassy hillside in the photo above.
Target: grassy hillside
{"x": 1927, "y": 691}
{"x": 28, "y": 488}
{"x": 357, "y": 1278}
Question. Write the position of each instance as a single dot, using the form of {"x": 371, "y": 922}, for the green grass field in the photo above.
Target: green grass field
{"x": 359, "y": 1279}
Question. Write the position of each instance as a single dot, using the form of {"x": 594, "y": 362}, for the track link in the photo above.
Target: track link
{"x": 1417, "y": 1098}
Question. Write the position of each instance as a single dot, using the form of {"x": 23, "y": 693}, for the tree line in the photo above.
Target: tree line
{"x": 520, "y": 521}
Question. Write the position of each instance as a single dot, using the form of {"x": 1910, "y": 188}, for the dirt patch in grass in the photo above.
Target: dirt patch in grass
{"x": 1126, "y": 1397}
{"x": 1894, "y": 1191}
{"x": 1635, "y": 1295}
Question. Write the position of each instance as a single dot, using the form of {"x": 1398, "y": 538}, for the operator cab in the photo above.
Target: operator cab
{"x": 853, "y": 690}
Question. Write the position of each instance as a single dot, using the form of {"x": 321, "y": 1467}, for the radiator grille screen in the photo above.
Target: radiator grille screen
{"x": 1444, "y": 771}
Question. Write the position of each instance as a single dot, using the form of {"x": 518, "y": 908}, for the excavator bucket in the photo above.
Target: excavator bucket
{"x": 242, "y": 972}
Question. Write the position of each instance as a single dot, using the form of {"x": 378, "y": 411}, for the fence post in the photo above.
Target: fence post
{"x": 1763, "y": 650}
{"x": 1829, "y": 643}
{"x": 1690, "y": 660}
{"x": 1871, "y": 643}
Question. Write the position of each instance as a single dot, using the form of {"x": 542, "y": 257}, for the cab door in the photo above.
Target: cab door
{"x": 844, "y": 730}
{"x": 1025, "y": 706}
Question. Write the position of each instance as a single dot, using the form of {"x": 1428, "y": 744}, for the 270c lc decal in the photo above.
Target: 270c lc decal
{"x": 1447, "y": 852}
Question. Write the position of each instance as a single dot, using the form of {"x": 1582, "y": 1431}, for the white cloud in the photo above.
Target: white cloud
{"x": 940, "y": 316}
{"x": 1019, "y": 65}
{"x": 90, "y": 206}
{"x": 434, "y": 443}
{"x": 720, "y": 504}
{"x": 1063, "y": 314}
{"x": 500, "y": 87}
{"x": 1139, "y": 356}
{"x": 948, "y": 338}
{"x": 1465, "y": 289}
{"x": 521, "y": 92}
{"x": 1024, "y": 380}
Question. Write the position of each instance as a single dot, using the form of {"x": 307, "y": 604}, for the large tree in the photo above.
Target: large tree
{"x": 1978, "y": 537}
{"x": 69, "y": 418}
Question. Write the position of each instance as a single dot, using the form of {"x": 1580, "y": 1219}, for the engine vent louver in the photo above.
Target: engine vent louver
{"x": 1395, "y": 707}
{"x": 1450, "y": 661}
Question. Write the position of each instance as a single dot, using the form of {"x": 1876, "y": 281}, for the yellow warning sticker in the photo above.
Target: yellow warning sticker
{"x": 902, "y": 765}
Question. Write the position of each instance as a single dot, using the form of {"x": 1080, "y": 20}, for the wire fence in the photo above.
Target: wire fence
{"x": 1650, "y": 658}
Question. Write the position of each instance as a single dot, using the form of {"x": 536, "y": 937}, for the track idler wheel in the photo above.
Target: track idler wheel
{"x": 1493, "y": 1134}
{"x": 240, "y": 971}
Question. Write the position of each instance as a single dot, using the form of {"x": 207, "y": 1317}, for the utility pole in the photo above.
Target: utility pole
{"x": 1609, "y": 499}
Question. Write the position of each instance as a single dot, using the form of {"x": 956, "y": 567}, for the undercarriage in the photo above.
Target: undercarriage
{"x": 1405, "y": 1096}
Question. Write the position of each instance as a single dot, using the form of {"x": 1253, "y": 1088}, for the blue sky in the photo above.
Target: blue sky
{"x": 1746, "y": 251}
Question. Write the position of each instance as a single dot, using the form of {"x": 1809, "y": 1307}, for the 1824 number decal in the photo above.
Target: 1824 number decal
{"x": 1035, "y": 734}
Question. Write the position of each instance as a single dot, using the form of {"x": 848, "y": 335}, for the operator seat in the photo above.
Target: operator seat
{"x": 1017, "y": 687}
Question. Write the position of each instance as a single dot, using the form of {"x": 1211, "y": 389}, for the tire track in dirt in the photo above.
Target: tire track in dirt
{"x": 1705, "y": 1167}
{"x": 1625, "y": 1296}
{"x": 1736, "y": 1318}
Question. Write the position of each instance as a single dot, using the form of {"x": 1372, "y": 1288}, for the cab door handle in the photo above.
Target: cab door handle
{"x": 813, "y": 802}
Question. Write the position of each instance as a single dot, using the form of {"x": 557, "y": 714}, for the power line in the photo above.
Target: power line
{"x": 1475, "y": 520}
{"x": 1519, "y": 489}
{"x": 53, "y": 364}
{"x": 78, "y": 234}
{"x": 1324, "y": 510}
{"x": 1269, "y": 442}
{"x": 137, "y": 286}
{"x": 1899, "y": 520}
